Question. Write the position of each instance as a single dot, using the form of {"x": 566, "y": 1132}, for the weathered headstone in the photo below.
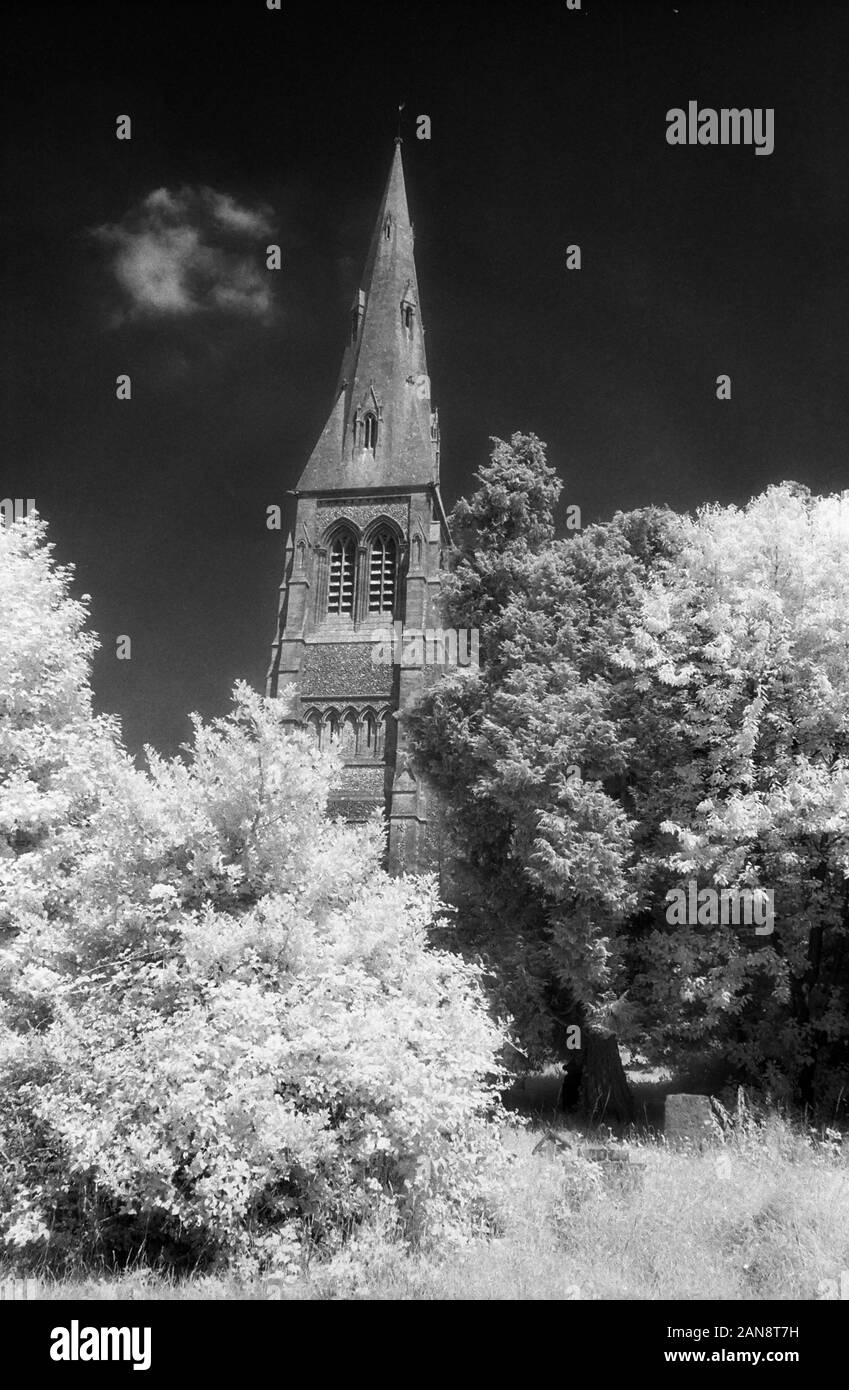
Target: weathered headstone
{"x": 689, "y": 1120}
{"x": 617, "y": 1169}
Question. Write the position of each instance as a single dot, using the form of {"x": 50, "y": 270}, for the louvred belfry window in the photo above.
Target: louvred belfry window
{"x": 382, "y": 571}
{"x": 340, "y": 593}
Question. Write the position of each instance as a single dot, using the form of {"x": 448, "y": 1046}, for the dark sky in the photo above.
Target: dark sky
{"x": 548, "y": 128}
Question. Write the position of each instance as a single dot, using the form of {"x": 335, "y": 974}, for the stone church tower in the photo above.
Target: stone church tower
{"x": 364, "y": 550}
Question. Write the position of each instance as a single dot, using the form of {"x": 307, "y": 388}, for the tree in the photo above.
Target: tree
{"x": 521, "y": 747}
{"x": 223, "y": 1033}
{"x": 52, "y": 748}
{"x": 739, "y": 674}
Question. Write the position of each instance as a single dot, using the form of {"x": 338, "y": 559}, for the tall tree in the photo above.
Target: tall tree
{"x": 523, "y": 748}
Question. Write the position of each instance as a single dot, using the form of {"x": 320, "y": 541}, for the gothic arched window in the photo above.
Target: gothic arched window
{"x": 343, "y": 560}
{"x": 383, "y": 566}
{"x": 370, "y": 430}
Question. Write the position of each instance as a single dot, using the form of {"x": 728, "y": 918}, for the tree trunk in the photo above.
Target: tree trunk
{"x": 604, "y": 1093}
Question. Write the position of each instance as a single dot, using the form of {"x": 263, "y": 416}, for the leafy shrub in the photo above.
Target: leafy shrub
{"x": 222, "y": 1031}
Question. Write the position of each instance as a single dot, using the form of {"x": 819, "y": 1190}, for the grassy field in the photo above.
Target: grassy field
{"x": 763, "y": 1215}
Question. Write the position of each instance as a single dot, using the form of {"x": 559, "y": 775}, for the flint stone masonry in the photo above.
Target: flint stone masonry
{"x": 689, "y": 1120}
{"x": 341, "y": 670}
{"x": 361, "y": 782}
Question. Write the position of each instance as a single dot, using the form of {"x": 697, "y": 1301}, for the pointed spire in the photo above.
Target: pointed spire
{"x": 380, "y": 431}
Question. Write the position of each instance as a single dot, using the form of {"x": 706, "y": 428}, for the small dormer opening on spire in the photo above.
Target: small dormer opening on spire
{"x": 370, "y": 430}
{"x": 434, "y": 435}
{"x": 408, "y": 308}
{"x": 387, "y": 226}
{"x": 358, "y": 308}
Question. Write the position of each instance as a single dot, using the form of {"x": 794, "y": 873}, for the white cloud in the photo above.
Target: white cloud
{"x": 226, "y": 211}
{"x": 189, "y": 252}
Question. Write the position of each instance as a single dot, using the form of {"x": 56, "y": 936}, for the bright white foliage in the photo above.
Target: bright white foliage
{"x": 744, "y": 653}
{"x": 221, "y": 1027}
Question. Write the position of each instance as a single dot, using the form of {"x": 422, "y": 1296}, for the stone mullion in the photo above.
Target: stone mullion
{"x": 361, "y": 580}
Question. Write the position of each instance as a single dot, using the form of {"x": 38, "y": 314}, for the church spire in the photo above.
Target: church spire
{"x": 368, "y": 537}
{"x": 381, "y": 431}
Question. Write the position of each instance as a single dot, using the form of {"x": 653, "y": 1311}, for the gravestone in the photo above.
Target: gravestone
{"x": 689, "y": 1120}
{"x": 617, "y": 1170}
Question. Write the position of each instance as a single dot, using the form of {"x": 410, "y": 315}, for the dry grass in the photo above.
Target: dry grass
{"x": 763, "y": 1215}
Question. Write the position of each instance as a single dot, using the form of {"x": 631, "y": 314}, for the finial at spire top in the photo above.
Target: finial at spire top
{"x": 398, "y": 140}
